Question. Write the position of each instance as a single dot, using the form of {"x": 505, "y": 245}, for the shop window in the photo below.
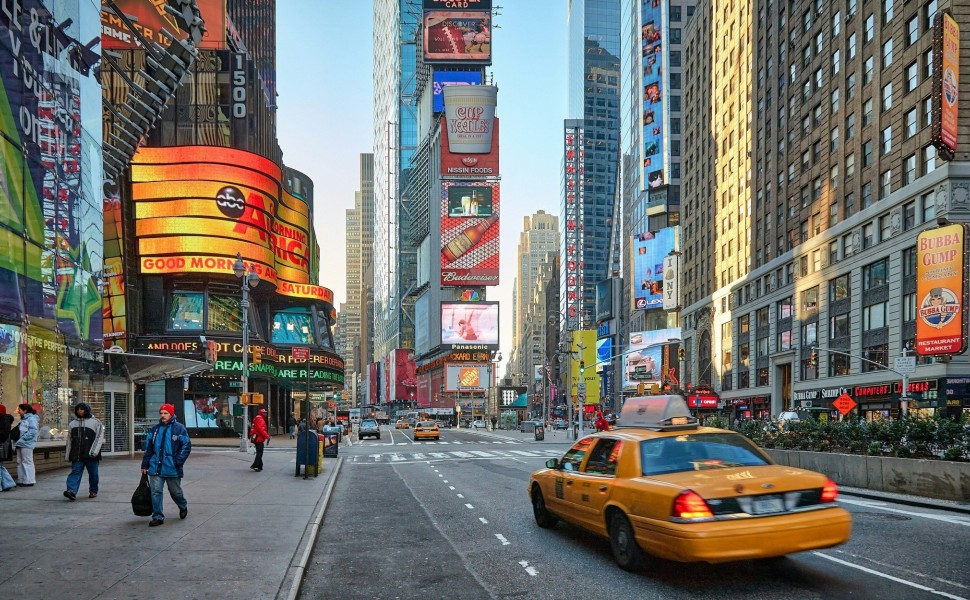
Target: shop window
{"x": 225, "y": 313}
{"x": 292, "y": 328}
{"x": 878, "y": 354}
{"x": 909, "y": 262}
{"x": 185, "y": 312}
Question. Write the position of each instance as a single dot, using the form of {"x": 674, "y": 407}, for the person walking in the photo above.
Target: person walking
{"x": 24, "y": 445}
{"x": 83, "y": 449}
{"x": 6, "y": 450}
{"x": 291, "y": 425}
{"x": 259, "y": 435}
{"x": 601, "y": 423}
{"x": 167, "y": 447}
{"x": 494, "y": 422}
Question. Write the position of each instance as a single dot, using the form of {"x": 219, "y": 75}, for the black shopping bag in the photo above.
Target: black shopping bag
{"x": 141, "y": 500}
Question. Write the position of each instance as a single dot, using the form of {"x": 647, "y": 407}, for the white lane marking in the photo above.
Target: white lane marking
{"x": 397, "y": 444}
{"x": 889, "y": 577}
{"x": 524, "y": 453}
{"x": 903, "y": 569}
{"x": 483, "y": 453}
{"x": 470, "y": 506}
{"x": 460, "y": 496}
{"x": 445, "y": 481}
{"x": 418, "y": 456}
{"x": 444, "y": 442}
{"x": 530, "y": 570}
{"x": 440, "y": 475}
{"x": 438, "y": 454}
{"x": 395, "y": 456}
{"x": 954, "y": 520}
{"x": 461, "y": 454}
{"x": 502, "y": 539}
{"x": 483, "y": 520}
{"x": 451, "y": 487}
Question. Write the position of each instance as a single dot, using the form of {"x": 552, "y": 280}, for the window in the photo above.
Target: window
{"x": 928, "y": 111}
{"x": 225, "y": 313}
{"x": 819, "y": 42}
{"x": 910, "y": 123}
{"x": 847, "y": 244}
{"x": 602, "y": 460}
{"x": 836, "y": 23}
{"x": 816, "y": 192}
{"x": 887, "y": 53}
{"x": 762, "y": 346}
{"x": 912, "y": 31}
{"x": 887, "y": 96}
{"x": 675, "y": 13}
{"x": 867, "y": 71}
{"x": 834, "y": 177}
{"x": 909, "y": 216}
{"x": 833, "y": 214}
{"x": 850, "y": 86}
{"x": 929, "y": 208}
{"x": 839, "y": 288}
{"x": 912, "y": 77}
{"x": 185, "y": 311}
{"x": 929, "y": 12}
{"x": 574, "y": 456}
{"x": 887, "y": 10}
{"x": 874, "y": 316}
{"x": 875, "y": 274}
{"x": 744, "y": 325}
{"x": 866, "y": 195}
{"x": 762, "y": 316}
{"x": 817, "y": 115}
{"x": 867, "y": 112}
{"x": 851, "y": 47}
{"x": 809, "y": 371}
{"x": 839, "y": 326}
{"x": 885, "y": 184}
{"x": 909, "y": 262}
{"x": 784, "y": 308}
{"x": 867, "y": 153}
{"x": 929, "y": 159}
{"x": 909, "y": 169}
{"x": 819, "y": 79}
{"x": 833, "y": 252}
{"x": 868, "y": 236}
{"x": 835, "y": 100}
{"x": 809, "y": 334}
{"x": 838, "y": 365}
{"x": 909, "y": 307}
{"x": 928, "y": 64}
{"x": 849, "y": 205}
{"x": 878, "y": 354}
{"x": 810, "y": 300}
{"x": 850, "y": 127}
{"x": 870, "y": 28}
{"x": 885, "y": 228}
{"x": 783, "y": 340}
{"x": 851, "y": 8}
{"x": 807, "y": 20}
{"x": 676, "y": 455}
{"x": 887, "y": 140}
{"x": 674, "y": 35}
{"x": 294, "y": 327}
{"x": 850, "y": 166}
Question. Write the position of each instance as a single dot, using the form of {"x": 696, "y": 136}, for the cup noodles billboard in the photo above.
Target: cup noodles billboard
{"x": 467, "y": 165}
{"x": 469, "y": 233}
{"x": 470, "y": 117}
{"x": 150, "y": 19}
{"x": 941, "y": 290}
{"x": 458, "y": 36}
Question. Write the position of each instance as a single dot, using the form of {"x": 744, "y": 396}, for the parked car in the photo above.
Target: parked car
{"x": 560, "y": 424}
{"x": 369, "y": 428}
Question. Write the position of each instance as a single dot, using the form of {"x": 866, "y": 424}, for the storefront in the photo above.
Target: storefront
{"x": 703, "y": 402}
{"x": 752, "y": 407}
{"x": 957, "y": 399}
{"x": 882, "y": 401}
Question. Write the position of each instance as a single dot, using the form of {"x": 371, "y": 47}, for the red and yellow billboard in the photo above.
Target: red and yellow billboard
{"x": 196, "y": 207}
{"x": 469, "y": 233}
{"x": 150, "y": 18}
{"x": 941, "y": 289}
{"x": 946, "y": 84}
{"x": 466, "y": 165}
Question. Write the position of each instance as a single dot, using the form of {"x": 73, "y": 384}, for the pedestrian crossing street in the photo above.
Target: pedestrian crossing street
{"x": 465, "y": 454}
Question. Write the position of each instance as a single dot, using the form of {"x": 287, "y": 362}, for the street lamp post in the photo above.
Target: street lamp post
{"x": 249, "y": 279}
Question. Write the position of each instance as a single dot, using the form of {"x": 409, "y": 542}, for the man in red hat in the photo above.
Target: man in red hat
{"x": 167, "y": 446}
{"x": 601, "y": 423}
{"x": 259, "y": 435}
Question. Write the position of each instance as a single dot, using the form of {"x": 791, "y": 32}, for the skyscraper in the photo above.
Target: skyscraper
{"x": 538, "y": 239}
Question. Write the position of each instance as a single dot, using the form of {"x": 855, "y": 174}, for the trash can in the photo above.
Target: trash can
{"x": 307, "y": 452}
{"x": 540, "y": 432}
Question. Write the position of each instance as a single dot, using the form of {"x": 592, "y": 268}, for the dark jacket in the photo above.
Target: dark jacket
{"x": 167, "y": 447}
{"x": 86, "y": 436}
{"x": 6, "y": 424}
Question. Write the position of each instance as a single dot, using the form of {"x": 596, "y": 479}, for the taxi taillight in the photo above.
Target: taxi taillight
{"x": 830, "y": 492}
{"x": 689, "y": 505}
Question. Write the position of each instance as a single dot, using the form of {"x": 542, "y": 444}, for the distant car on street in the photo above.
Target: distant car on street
{"x": 426, "y": 430}
{"x": 369, "y": 428}
{"x": 478, "y": 424}
{"x": 560, "y": 424}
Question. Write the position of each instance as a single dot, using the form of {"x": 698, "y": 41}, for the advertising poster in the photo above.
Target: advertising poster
{"x": 470, "y": 326}
{"x": 457, "y": 36}
{"x": 651, "y": 46}
{"x": 9, "y": 344}
{"x": 442, "y": 79}
{"x": 604, "y": 352}
{"x": 150, "y": 19}
{"x": 467, "y": 377}
{"x": 456, "y": 163}
{"x": 604, "y": 300}
{"x": 947, "y": 84}
{"x": 649, "y": 251}
{"x": 196, "y": 207}
{"x": 941, "y": 289}
{"x": 469, "y": 243}
{"x": 643, "y": 363}
{"x": 422, "y": 325}
{"x": 405, "y": 379}
{"x": 113, "y": 308}
{"x": 584, "y": 345}
{"x": 671, "y": 289}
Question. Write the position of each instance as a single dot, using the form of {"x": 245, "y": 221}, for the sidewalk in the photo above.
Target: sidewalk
{"x": 247, "y": 534}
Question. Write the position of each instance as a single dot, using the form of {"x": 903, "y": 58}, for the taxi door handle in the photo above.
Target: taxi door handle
{"x": 602, "y": 488}
{"x": 569, "y": 482}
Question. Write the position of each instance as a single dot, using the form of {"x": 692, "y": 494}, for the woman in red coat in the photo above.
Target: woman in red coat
{"x": 259, "y": 435}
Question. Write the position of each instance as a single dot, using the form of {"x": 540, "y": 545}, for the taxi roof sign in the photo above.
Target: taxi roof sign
{"x": 657, "y": 412}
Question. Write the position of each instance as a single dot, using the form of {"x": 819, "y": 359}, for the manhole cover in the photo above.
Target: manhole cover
{"x": 879, "y": 516}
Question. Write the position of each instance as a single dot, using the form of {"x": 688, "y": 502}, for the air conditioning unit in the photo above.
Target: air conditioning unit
{"x": 805, "y": 403}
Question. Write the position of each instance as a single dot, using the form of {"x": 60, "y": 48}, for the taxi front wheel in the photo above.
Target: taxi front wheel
{"x": 543, "y": 517}
{"x": 626, "y": 552}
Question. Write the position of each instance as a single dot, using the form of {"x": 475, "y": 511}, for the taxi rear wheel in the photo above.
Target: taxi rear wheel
{"x": 543, "y": 517}
{"x": 626, "y": 552}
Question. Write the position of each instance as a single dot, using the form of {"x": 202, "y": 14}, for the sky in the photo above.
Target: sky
{"x": 324, "y": 121}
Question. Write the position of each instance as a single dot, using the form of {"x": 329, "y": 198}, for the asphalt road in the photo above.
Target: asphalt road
{"x": 452, "y": 520}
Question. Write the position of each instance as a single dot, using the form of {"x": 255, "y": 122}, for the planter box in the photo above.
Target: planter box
{"x": 941, "y": 479}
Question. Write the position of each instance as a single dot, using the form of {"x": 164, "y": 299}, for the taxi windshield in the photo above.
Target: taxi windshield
{"x": 696, "y": 452}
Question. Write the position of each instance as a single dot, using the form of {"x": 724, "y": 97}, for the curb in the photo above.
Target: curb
{"x": 906, "y": 501}
{"x": 293, "y": 579}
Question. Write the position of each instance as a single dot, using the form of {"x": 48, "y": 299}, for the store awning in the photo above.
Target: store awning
{"x": 142, "y": 368}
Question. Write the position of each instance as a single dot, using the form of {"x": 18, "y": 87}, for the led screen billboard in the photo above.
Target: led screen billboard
{"x": 422, "y": 324}
{"x": 469, "y": 201}
{"x": 469, "y": 325}
{"x": 649, "y": 251}
{"x": 150, "y": 19}
{"x": 469, "y": 243}
{"x": 946, "y": 83}
{"x": 465, "y": 377}
{"x": 196, "y": 207}
{"x": 604, "y": 352}
{"x": 442, "y": 79}
{"x": 651, "y": 52}
{"x": 457, "y": 36}
{"x": 644, "y": 361}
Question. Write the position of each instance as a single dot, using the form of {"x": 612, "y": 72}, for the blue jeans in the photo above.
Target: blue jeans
{"x": 174, "y": 489}
{"x": 77, "y": 470}
{"x": 6, "y": 481}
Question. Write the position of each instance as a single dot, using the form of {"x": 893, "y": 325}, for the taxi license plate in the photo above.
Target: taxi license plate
{"x": 771, "y": 504}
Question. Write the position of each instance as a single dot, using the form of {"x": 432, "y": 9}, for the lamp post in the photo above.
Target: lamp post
{"x": 249, "y": 279}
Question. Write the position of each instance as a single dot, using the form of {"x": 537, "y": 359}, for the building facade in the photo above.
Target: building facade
{"x": 538, "y": 239}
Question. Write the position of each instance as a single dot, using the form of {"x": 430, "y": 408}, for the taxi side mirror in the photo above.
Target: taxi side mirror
{"x": 552, "y": 463}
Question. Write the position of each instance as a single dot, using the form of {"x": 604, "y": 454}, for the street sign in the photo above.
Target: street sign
{"x": 581, "y": 388}
{"x": 905, "y": 365}
{"x": 300, "y": 353}
{"x": 844, "y": 404}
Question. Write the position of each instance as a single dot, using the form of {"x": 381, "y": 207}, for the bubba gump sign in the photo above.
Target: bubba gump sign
{"x": 941, "y": 288}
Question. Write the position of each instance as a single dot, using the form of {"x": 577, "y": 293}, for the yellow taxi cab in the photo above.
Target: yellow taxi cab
{"x": 660, "y": 484}
{"x": 426, "y": 430}
{"x": 402, "y": 424}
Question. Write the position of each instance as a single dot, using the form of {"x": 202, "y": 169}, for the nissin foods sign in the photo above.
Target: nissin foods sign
{"x": 197, "y": 206}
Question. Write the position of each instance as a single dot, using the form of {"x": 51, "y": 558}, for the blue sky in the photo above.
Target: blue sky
{"x": 325, "y": 65}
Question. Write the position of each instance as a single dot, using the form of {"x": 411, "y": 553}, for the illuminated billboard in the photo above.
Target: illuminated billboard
{"x": 458, "y": 36}
{"x": 469, "y": 325}
{"x": 941, "y": 290}
{"x": 470, "y": 243}
{"x": 196, "y": 207}
{"x": 651, "y": 52}
{"x": 572, "y": 282}
{"x": 456, "y": 163}
{"x": 402, "y": 375}
{"x": 114, "y": 313}
{"x": 465, "y": 377}
{"x": 469, "y": 201}
{"x": 644, "y": 361}
{"x": 150, "y": 20}
{"x": 604, "y": 352}
{"x": 649, "y": 251}
{"x": 442, "y": 79}
{"x": 946, "y": 83}
{"x": 584, "y": 346}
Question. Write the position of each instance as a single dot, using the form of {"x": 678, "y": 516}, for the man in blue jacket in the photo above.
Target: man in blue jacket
{"x": 167, "y": 447}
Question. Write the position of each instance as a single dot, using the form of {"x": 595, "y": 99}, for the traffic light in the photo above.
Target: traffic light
{"x": 257, "y": 355}
{"x": 641, "y": 389}
{"x": 814, "y": 359}
{"x": 681, "y": 354}
{"x": 582, "y": 367}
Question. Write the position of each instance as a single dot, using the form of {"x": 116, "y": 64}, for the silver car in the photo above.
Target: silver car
{"x": 369, "y": 428}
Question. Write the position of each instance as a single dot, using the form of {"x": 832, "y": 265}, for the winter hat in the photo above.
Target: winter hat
{"x": 168, "y": 407}
{"x": 261, "y": 411}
